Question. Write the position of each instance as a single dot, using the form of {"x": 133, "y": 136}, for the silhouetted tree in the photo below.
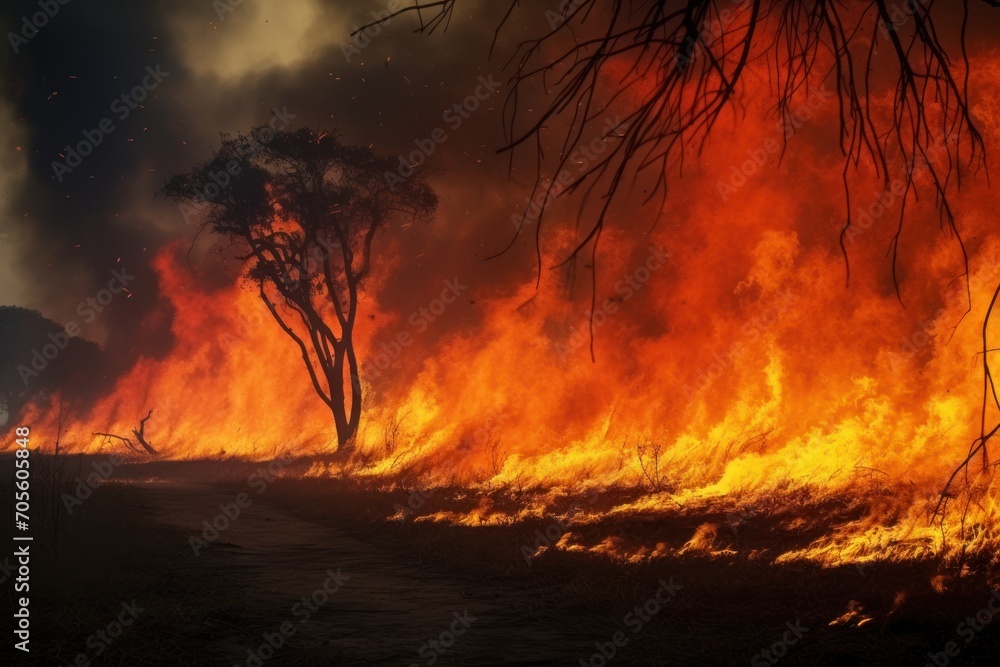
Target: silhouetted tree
{"x": 303, "y": 209}
{"x": 38, "y": 358}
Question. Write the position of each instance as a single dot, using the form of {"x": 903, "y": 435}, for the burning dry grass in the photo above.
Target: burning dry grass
{"x": 648, "y": 511}
{"x": 871, "y": 522}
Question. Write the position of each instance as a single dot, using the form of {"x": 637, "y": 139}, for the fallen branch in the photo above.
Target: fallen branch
{"x": 128, "y": 443}
{"x": 138, "y": 433}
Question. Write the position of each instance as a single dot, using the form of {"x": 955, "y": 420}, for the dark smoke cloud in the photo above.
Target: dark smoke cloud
{"x": 226, "y": 74}
{"x": 66, "y": 236}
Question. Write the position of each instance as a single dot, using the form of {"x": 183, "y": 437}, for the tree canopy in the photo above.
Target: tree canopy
{"x": 302, "y": 209}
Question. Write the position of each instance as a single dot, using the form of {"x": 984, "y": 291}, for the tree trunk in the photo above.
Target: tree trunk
{"x": 355, "y": 375}
{"x": 346, "y": 427}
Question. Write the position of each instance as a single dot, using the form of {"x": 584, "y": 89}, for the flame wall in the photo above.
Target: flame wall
{"x": 726, "y": 341}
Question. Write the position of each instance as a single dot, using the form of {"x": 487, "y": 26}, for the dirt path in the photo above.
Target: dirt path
{"x": 386, "y": 610}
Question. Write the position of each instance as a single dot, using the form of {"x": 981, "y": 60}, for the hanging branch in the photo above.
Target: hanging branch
{"x": 979, "y": 446}
{"x": 685, "y": 60}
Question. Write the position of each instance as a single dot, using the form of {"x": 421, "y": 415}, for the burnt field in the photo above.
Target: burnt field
{"x": 334, "y": 571}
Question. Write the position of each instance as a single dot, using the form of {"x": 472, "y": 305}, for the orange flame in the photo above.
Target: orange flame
{"x": 731, "y": 364}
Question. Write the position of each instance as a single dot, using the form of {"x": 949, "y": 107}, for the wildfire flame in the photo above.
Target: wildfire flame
{"x": 739, "y": 368}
